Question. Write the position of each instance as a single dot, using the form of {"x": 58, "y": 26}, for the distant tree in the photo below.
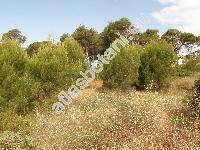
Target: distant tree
{"x": 89, "y": 39}
{"x": 178, "y": 39}
{"x": 64, "y": 37}
{"x": 147, "y": 36}
{"x": 34, "y": 47}
{"x": 15, "y": 35}
{"x": 190, "y": 41}
{"x": 110, "y": 33}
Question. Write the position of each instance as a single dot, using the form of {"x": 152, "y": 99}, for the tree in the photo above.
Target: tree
{"x": 89, "y": 39}
{"x": 15, "y": 35}
{"x": 147, "y": 37}
{"x": 110, "y": 33}
{"x": 34, "y": 47}
{"x": 64, "y": 37}
{"x": 178, "y": 39}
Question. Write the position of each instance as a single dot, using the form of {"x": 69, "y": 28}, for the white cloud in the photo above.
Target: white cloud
{"x": 181, "y": 14}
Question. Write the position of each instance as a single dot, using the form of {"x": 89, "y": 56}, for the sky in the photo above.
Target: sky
{"x": 39, "y": 18}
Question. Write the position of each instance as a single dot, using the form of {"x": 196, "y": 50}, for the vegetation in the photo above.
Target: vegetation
{"x": 89, "y": 39}
{"x": 123, "y": 70}
{"x": 195, "y": 99}
{"x": 14, "y": 35}
{"x": 158, "y": 62}
{"x": 26, "y": 82}
{"x": 191, "y": 65}
{"x": 15, "y": 141}
{"x": 111, "y": 113}
{"x": 121, "y": 120}
{"x": 34, "y": 47}
{"x": 111, "y": 31}
{"x": 178, "y": 39}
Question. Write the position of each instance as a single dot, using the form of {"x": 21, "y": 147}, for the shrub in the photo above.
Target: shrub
{"x": 191, "y": 66}
{"x": 195, "y": 100}
{"x": 123, "y": 70}
{"x": 57, "y": 66}
{"x": 25, "y": 82}
{"x": 34, "y": 47}
{"x": 158, "y": 63}
{"x": 18, "y": 89}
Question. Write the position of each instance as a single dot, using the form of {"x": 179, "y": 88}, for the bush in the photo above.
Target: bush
{"x": 195, "y": 100}
{"x": 18, "y": 89}
{"x": 123, "y": 70}
{"x": 57, "y": 66}
{"x": 191, "y": 66}
{"x": 34, "y": 47}
{"x": 25, "y": 82}
{"x": 158, "y": 63}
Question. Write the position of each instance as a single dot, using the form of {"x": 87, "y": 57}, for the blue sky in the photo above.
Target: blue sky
{"x": 39, "y": 18}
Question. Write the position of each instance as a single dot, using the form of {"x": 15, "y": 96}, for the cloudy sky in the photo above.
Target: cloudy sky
{"x": 39, "y": 18}
{"x": 181, "y": 14}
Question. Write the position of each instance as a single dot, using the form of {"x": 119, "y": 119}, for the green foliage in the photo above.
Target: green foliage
{"x": 109, "y": 34}
{"x": 25, "y": 82}
{"x": 123, "y": 70}
{"x": 191, "y": 66}
{"x": 158, "y": 62}
{"x": 14, "y": 35}
{"x": 18, "y": 90}
{"x": 147, "y": 37}
{"x": 15, "y": 141}
{"x": 34, "y": 47}
{"x": 57, "y": 66}
{"x": 64, "y": 37}
{"x": 178, "y": 39}
{"x": 195, "y": 100}
{"x": 89, "y": 39}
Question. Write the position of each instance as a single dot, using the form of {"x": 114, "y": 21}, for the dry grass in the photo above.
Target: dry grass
{"x": 119, "y": 120}
{"x": 183, "y": 84}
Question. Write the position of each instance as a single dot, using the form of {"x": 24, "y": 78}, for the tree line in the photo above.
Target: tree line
{"x": 94, "y": 43}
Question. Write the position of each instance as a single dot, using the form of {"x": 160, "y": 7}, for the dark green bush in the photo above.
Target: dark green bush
{"x": 25, "y": 82}
{"x": 158, "y": 64}
{"x": 57, "y": 66}
{"x": 18, "y": 89}
{"x": 123, "y": 69}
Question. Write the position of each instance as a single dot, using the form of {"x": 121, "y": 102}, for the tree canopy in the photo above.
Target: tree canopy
{"x": 110, "y": 32}
{"x": 15, "y": 35}
{"x": 179, "y": 40}
{"x": 89, "y": 39}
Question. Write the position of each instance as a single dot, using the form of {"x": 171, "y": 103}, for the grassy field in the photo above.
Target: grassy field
{"x": 102, "y": 119}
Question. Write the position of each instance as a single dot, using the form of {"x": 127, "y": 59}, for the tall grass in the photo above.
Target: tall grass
{"x": 120, "y": 120}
